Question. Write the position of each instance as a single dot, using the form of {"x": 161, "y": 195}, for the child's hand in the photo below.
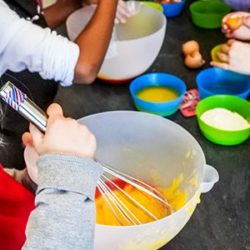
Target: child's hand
{"x": 235, "y": 56}
{"x": 122, "y": 12}
{"x": 63, "y": 135}
{"x": 237, "y": 25}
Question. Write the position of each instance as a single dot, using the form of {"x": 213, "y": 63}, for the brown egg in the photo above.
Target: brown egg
{"x": 190, "y": 46}
{"x": 194, "y": 60}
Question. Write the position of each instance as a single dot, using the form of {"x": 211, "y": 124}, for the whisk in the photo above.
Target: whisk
{"x": 117, "y": 199}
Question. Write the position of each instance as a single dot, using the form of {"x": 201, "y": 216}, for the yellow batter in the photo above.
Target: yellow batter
{"x": 174, "y": 196}
{"x": 157, "y": 94}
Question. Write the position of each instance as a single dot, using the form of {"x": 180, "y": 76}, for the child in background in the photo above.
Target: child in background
{"x": 26, "y": 46}
{"x": 39, "y": 58}
{"x": 235, "y": 54}
{"x": 64, "y": 216}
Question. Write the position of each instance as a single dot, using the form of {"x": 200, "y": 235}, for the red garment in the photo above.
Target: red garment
{"x": 16, "y": 203}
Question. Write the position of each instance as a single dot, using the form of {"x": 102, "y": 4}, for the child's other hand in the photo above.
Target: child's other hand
{"x": 235, "y": 56}
{"x": 122, "y": 12}
{"x": 237, "y": 25}
{"x": 31, "y": 157}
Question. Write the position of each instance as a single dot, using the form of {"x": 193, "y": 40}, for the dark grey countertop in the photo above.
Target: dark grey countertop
{"x": 222, "y": 219}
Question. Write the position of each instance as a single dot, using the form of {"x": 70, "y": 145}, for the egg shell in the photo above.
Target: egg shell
{"x": 190, "y": 46}
{"x": 234, "y": 23}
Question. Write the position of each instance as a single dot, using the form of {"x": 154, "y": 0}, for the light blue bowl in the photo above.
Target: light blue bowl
{"x": 216, "y": 81}
{"x": 157, "y": 79}
{"x": 173, "y": 9}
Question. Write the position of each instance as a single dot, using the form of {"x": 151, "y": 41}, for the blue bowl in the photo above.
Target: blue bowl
{"x": 157, "y": 79}
{"x": 216, "y": 81}
{"x": 173, "y": 9}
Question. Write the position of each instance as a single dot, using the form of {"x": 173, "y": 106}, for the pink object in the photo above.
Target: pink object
{"x": 189, "y": 103}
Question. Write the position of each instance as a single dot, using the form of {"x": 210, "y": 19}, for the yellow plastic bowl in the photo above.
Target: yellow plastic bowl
{"x": 156, "y": 6}
{"x": 214, "y": 52}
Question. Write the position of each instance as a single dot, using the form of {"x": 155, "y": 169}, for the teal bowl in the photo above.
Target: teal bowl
{"x": 164, "y": 108}
{"x": 173, "y": 9}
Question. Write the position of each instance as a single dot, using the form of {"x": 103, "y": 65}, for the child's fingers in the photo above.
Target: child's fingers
{"x": 220, "y": 65}
{"x": 37, "y": 136}
{"x": 225, "y": 48}
{"x": 230, "y": 41}
{"x": 27, "y": 138}
{"x": 122, "y": 12}
{"x": 54, "y": 110}
{"x": 123, "y": 9}
{"x": 229, "y": 35}
{"x": 246, "y": 21}
{"x": 222, "y": 57}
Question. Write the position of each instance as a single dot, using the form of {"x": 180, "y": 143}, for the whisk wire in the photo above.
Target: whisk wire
{"x": 140, "y": 185}
{"x": 111, "y": 198}
{"x": 132, "y": 199}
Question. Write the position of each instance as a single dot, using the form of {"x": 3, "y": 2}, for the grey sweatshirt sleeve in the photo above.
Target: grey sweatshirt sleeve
{"x": 64, "y": 217}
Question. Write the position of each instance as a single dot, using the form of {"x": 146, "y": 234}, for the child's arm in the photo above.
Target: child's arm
{"x": 24, "y": 45}
{"x": 64, "y": 217}
{"x": 57, "y": 13}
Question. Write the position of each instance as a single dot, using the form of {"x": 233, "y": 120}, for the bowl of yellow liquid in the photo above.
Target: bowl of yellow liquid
{"x": 157, "y": 93}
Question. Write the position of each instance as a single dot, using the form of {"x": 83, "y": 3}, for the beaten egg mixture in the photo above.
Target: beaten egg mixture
{"x": 175, "y": 197}
{"x": 157, "y": 94}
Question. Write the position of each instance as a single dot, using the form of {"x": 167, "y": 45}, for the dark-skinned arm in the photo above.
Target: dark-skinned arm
{"x": 94, "y": 40}
{"x": 57, "y": 13}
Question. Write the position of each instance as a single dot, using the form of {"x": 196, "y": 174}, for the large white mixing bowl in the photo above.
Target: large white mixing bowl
{"x": 157, "y": 151}
{"x": 134, "y": 45}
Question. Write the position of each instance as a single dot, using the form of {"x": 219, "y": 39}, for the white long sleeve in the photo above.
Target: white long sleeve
{"x": 24, "y": 45}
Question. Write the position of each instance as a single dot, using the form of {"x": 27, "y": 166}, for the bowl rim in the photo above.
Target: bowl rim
{"x": 200, "y": 85}
{"x": 209, "y": 3}
{"x": 172, "y": 4}
{"x": 155, "y": 5}
{"x": 159, "y": 13}
{"x": 216, "y": 97}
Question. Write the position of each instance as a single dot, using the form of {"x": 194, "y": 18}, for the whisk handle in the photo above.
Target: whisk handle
{"x": 23, "y": 105}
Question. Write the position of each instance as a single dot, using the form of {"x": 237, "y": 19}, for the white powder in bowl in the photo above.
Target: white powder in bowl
{"x": 224, "y": 119}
